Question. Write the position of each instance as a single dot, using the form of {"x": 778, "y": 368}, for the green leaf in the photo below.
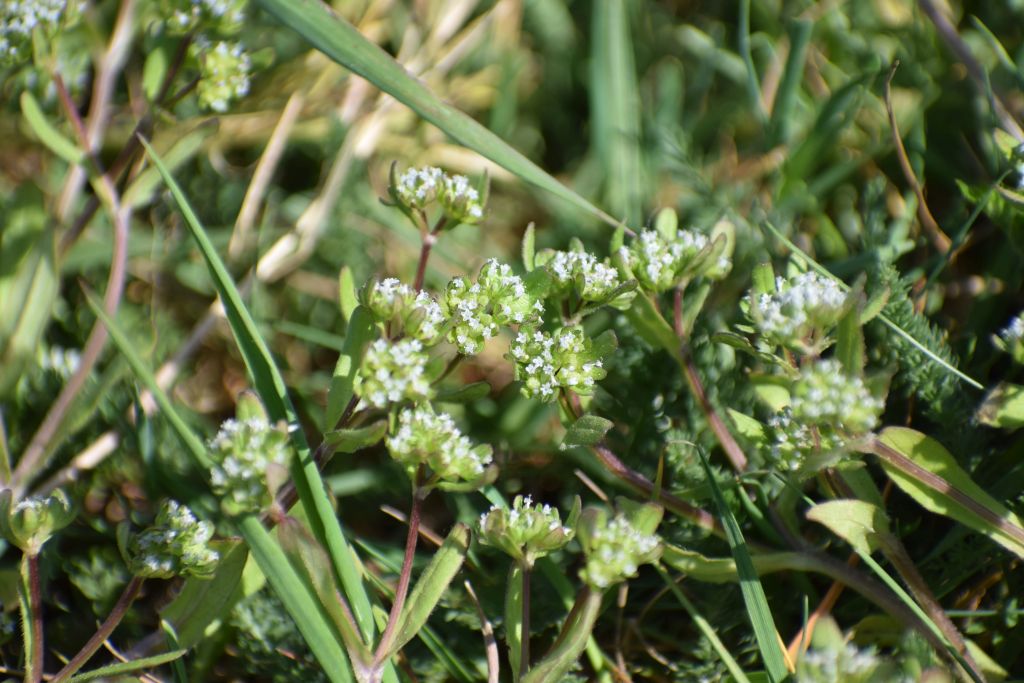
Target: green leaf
{"x": 748, "y": 427}
{"x": 586, "y": 431}
{"x": 923, "y": 469}
{"x": 48, "y": 133}
{"x": 361, "y": 331}
{"x": 750, "y": 585}
{"x": 615, "y": 108}
{"x": 271, "y": 388}
{"x": 571, "y": 640}
{"x": 1003, "y": 407}
{"x": 857, "y": 522}
{"x": 201, "y": 602}
{"x": 652, "y": 327}
{"x": 182, "y": 149}
{"x": 792, "y": 77}
{"x": 348, "y": 296}
{"x": 293, "y": 591}
{"x": 529, "y": 248}
{"x": 723, "y": 569}
{"x": 116, "y": 671}
{"x": 339, "y": 40}
{"x": 604, "y": 344}
{"x": 850, "y": 343}
{"x": 352, "y": 440}
{"x": 431, "y": 586}
{"x": 514, "y": 618}
{"x": 314, "y": 567}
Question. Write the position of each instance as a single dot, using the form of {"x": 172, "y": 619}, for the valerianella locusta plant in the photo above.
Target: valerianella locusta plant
{"x": 546, "y": 362}
{"x": 250, "y": 464}
{"x": 424, "y": 438}
{"x": 793, "y": 442}
{"x": 615, "y": 547}
{"x": 583, "y": 274}
{"x": 404, "y": 310}
{"x": 223, "y": 74}
{"x": 460, "y": 200}
{"x": 31, "y": 522}
{"x": 477, "y": 310}
{"x": 662, "y": 259}
{"x": 19, "y": 19}
{"x": 220, "y": 16}
{"x": 176, "y": 545}
{"x": 527, "y": 532}
{"x": 800, "y": 313}
{"x": 417, "y": 188}
{"x": 825, "y": 395}
{"x": 392, "y": 372}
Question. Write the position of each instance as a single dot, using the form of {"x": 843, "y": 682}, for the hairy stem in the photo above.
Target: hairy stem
{"x": 128, "y": 595}
{"x": 391, "y": 630}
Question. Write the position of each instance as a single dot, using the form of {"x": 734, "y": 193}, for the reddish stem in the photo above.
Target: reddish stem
{"x": 35, "y": 598}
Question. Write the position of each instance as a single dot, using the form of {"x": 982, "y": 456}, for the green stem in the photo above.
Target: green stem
{"x": 32, "y": 616}
{"x": 524, "y": 641}
{"x": 571, "y": 640}
{"x": 128, "y": 595}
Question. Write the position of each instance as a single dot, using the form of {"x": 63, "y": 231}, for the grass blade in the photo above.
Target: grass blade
{"x": 340, "y": 41}
{"x": 750, "y": 585}
{"x": 792, "y": 76}
{"x": 615, "y": 107}
{"x": 121, "y": 668}
{"x": 885, "y": 321}
{"x": 271, "y": 388}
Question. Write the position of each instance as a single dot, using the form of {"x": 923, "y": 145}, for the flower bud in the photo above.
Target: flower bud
{"x": 527, "y": 532}
{"x": 461, "y": 201}
{"x": 251, "y": 460}
{"x": 19, "y": 19}
{"x": 223, "y": 74}
{"x": 1011, "y": 338}
{"x": 800, "y": 312}
{"x": 417, "y": 188}
{"x": 176, "y": 545}
{"x": 615, "y": 548}
{"x": 546, "y": 362}
{"x": 583, "y": 274}
{"x": 825, "y": 395}
{"x": 392, "y": 372}
{"x": 661, "y": 259}
{"x": 433, "y": 440}
{"x": 31, "y": 522}
{"x": 408, "y": 312}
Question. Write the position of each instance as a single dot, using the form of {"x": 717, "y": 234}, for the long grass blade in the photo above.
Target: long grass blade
{"x": 615, "y": 108}
{"x": 271, "y": 388}
{"x": 885, "y": 321}
{"x": 340, "y": 41}
{"x": 750, "y": 585}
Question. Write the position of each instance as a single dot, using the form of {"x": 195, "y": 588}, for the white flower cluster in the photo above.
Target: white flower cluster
{"x": 19, "y": 18}
{"x": 223, "y": 74}
{"x": 417, "y": 188}
{"x": 426, "y": 438}
{"x": 498, "y": 297}
{"x": 660, "y": 263}
{"x": 1014, "y": 330}
{"x": 525, "y": 531}
{"x": 545, "y": 362}
{"x": 616, "y": 551}
{"x": 419, "y": 315}
{"x": 825, "y": 395}
{"x": 800, "y": 311}
{"x": 848, "y": 664}
{"x": 595, "y": 279}
{"x": 792, "y": 442}
{"x": 223, "y": 16}
{"x": 176, "y": 545}
{"x": 244, "y": 453}
{"x": 62, "y": 361}
{"x": 393, "y": 372}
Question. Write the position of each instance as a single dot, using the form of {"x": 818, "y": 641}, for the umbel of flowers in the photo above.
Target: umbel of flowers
{"x": 417, "y": 189}
{"x": 404, "y": 310}
{"x": 425, "y": 439}
{"x": 477, "y": 310}
{"x": 616, "y": 546}
{"x": 800, "y": 311}
{"x": 177, "y": 544}
{"x": 250, "y": 463}
{"x": 30, "y": 522}
{"x": 527, "y": 532}
{"x": 392, "y": 372}
{"x": 547, "y": 362}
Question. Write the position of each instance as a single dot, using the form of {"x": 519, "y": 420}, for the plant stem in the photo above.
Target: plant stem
{"x": 128, "y": 595}
{"x": 32, "y": 615}
{"x": 524, "y": 639}
{"x": 570, "y": 641}
{"x": 402, "y": 590}
{"x": 429, "y": 238}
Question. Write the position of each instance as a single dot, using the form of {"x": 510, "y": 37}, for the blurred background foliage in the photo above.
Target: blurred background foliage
{"x": 757, "y": 110}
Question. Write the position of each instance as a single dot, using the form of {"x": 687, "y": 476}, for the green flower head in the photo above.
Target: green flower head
{"x": 176, "y": 545}
{"x": 461, "y": 201}
{"x": 407, "y": 311}
{"x": 392, "y": 372}
{"x": 424, "y": 438}
{"x": 615, "y": 547}
{"x": 251, "y": 460}
{"x": 825, "y": 395}
{"x": 224, "y": 70}
{"x": 800, "y": 312}
{"x": 547, "y": 362}
{"x": 664, "y": 258}
{"x": 527, "y": 532}
{"x": 31, "y": 522}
